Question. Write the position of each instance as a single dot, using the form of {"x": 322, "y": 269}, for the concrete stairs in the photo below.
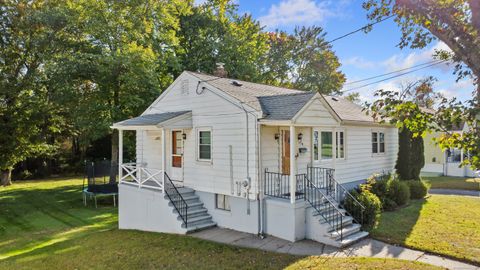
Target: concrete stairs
{"x": 349, "y": 232}
{"x": 197, "y": 215}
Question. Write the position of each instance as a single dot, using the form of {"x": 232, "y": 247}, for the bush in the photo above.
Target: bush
{"x": 371, "y": 203}
{"x": 399, "y": 192}
{"x": 418, "y": 189}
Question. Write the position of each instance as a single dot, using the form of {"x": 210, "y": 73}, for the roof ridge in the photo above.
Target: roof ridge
{"x": 289, "y": 94}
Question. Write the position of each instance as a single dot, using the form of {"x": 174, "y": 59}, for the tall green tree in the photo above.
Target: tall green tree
{"x": 213, "y": 33}
{"x": 457, "y": 24}
{"x": 31, "y": 32}
{"x": 303, "y": 60}
{"x": 122, "y": 68}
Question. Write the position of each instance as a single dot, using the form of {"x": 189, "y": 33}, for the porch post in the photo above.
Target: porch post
{"x": 163, "y": 159}
{"x": 293, "y": 164}
{"x": 120, "y": 154}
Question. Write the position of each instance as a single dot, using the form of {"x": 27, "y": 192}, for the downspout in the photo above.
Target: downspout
{"x": 249, "y": 180}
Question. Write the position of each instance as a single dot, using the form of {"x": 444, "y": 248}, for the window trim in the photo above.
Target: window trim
{"x": 378, "y": 153}
{"x": 224, "y": 207}
{"x": 197, "y": 144}
{"x": 334, "y": 137}
{"x": 337, "y": 134}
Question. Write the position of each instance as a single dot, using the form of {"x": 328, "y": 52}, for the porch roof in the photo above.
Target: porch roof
{"x": 156, "y": 120}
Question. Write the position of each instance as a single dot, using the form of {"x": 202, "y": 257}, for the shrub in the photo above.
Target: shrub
{"x": 418, "y": 189}
{"x": 399, "y": 192}
{"x": 371, "y": 203}
{"x": 389, "y": 204}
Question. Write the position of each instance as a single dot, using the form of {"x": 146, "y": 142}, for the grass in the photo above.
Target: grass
{"x": 448, "y": 182}
{"x": 43, "y": 225}
{"x": 446, "y": 225}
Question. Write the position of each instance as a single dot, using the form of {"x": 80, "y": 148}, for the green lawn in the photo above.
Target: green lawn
{"x": 449, "y": 182}
{"x": 447, "y": 225}
{"x": 43, "y": 225}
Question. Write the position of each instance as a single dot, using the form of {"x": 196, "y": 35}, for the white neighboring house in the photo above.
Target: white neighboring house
{"x": 216, "y": 151}
{"x": 438, "y": 162}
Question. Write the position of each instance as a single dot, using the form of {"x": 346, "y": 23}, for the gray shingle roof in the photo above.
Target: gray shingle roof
{"x": 150, "y": 119}
{"x": 283, "y": 107}
{"x": 253, "y": 94}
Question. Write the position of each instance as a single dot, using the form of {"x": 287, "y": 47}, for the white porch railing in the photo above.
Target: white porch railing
{"x": 137, "y": 174}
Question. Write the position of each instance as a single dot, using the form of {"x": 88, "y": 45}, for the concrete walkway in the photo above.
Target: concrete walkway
{"x": 364, "y": 248}
{"x": 460, "y": 192}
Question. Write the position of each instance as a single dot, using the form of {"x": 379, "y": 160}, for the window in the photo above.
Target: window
{"x": 222, "y": 202}
{"x": 340, "y": 145}
{"x": 378, "y": 142}
{"x": 315, "y": 145}
{"x": 326, "y": 147}
{"x": 204, "y": 144}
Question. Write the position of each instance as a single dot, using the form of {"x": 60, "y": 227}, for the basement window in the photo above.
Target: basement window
{"x": 222, "y": 202}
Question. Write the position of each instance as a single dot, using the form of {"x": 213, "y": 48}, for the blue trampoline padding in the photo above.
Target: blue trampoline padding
{"x": 102, "y": 189}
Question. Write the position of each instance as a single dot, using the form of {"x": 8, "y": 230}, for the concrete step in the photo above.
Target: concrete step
{"x": 197, "y": 219}
{"x": 190, "y": 197}
{"x": 328, "y": 212}
{"x": 194, "y": 213}
{"x": 353, "y": 238}
{"x": 346, "y": 231}
{"x": 199, "y": 222}
{"x": 194, "y": 228}
{"x": 347, "y": 220}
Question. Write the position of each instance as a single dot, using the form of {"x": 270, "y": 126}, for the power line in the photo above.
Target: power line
{"x": 395, "y": 71}
{"x": 360, "y": 29}
{"x": 392, "y": 77}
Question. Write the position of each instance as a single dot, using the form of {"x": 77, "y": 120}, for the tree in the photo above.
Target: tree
{"x": 303, "y": 60}
{"x": 404, "y": 110}
{"x": 353, "y": 97}
{"x": 30, "y": 33}
{"x": 215, "y": 33}
{"x": 457, "y": 24}
{"x": 122, "y": 67}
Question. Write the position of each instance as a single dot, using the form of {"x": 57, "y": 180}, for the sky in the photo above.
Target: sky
{"x": 361, "y": 55}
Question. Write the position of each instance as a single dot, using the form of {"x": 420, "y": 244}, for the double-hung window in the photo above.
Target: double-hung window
{"x": 204, "y": 142}
{"x": 378, "y": 142}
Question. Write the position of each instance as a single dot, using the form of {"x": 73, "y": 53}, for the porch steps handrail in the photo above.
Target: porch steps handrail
{"x": 333, "y": 186}
{"x": 316, "y": 197}
{"x": 176, "y": 199}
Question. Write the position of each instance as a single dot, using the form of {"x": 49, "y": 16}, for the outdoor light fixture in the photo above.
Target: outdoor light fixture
{"x": 277, "y": 136}
{"x": 300, "y": 136}
{"x": 184, "y": 136}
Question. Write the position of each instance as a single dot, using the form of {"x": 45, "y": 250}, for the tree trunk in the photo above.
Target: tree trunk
{"x": 114, "y": 147}
{"x": 6, "y": 177}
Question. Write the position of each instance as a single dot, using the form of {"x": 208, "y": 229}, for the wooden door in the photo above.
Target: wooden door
{"x": 177, "y": 149}
{"x": 285, "y": 151}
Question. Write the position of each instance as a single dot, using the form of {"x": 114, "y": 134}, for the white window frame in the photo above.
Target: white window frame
{"x": 335, "y": 135}
{"x": 197, "y": 144}
{"x": 378, "y": 153}
{"x": 225, "y": 206}
{"x": 337, "y": 140}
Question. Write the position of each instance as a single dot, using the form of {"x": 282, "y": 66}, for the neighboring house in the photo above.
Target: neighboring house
{"x": 438, "y": 162}
{"x": 216, "y": 151}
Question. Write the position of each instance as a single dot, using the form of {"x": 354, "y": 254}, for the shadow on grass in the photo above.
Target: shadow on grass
{"x": 44, "y": 213}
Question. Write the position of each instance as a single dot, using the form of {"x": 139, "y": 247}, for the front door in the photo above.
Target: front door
{"x": 177, "y": 155}
{"x": 285, "y": 151}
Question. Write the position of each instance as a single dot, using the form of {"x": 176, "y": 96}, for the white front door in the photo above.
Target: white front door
{"x": 176, "y": 155}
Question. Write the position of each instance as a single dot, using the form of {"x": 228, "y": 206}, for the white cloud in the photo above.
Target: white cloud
{"x": 291, "y": 12}
{"x": 400, "y": 61}
{"x": 359, "y": 62}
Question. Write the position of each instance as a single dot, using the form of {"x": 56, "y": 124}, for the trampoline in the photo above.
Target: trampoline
{"x": 101, "y": 179}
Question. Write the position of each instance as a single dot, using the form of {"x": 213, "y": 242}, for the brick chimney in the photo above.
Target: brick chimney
{"x": 220, "y": 71}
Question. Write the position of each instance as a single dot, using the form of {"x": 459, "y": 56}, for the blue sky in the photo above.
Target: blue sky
{"x": 361, "y": 55}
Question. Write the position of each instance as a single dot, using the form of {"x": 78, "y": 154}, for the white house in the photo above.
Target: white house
{"x": 251, "y": 157}
{"x": 439, "y": 162}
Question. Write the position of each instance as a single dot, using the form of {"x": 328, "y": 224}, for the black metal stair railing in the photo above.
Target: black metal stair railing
{"x": 278, "y": 185}
{"x": 325, "y": 206}
{"x": 324, "y": 178}
{"x": 176, "y": 198}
